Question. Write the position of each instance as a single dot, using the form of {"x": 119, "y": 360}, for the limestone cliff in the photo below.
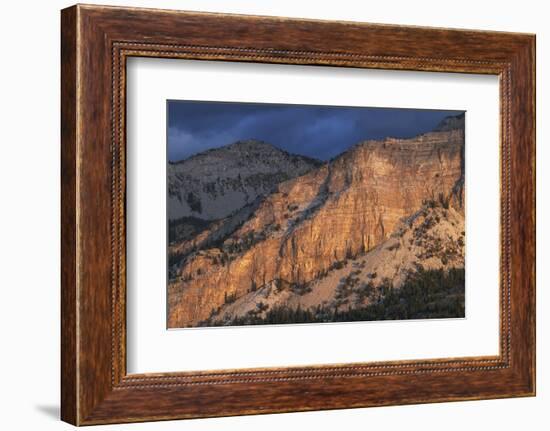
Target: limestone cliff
{"x": 433, "y": 238}
{"x": 309, "y": 225}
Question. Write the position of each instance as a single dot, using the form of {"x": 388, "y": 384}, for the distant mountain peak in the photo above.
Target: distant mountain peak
{"x": 215, "y": 183}
{"x": 452, "y": 122}
{"x": 245, "y": 146}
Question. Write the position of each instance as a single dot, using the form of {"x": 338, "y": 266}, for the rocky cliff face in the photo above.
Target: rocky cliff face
{"x": 304, "y": 231}
{"x": 214, "y": 184}
{"x": 431, "y": 239}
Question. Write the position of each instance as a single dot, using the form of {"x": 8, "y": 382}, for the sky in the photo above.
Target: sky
{"x": 321, "y": 132}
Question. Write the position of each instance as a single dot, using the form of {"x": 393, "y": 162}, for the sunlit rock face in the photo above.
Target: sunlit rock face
{"x": 347, "y": 210}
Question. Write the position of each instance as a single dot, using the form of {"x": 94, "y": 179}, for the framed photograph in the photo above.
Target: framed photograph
{"x": 324, "y": 226}
{"x": 264, "y": 215}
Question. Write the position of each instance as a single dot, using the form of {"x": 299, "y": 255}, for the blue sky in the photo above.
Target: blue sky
{"x": 321, "y": 132}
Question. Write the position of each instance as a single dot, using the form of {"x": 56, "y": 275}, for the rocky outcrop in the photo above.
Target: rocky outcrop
{"x": 341, "y": 210}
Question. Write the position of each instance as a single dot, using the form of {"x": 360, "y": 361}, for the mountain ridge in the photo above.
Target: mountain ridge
{"x": 245, "y": 143}
{"x": 213, "y": 184}
{"x": 335, "y": 211}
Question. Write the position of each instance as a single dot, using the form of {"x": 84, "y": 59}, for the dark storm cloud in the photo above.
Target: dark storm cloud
{"x": 316, "y": 131}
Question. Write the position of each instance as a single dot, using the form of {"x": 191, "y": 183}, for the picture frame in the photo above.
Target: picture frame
{"x": 96, "y": 42}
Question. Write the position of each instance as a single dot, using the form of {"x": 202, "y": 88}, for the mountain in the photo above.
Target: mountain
{"x": 453, "y": 122}
{"x": 214, "y": 184}
{"x": 375, "y": 216}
